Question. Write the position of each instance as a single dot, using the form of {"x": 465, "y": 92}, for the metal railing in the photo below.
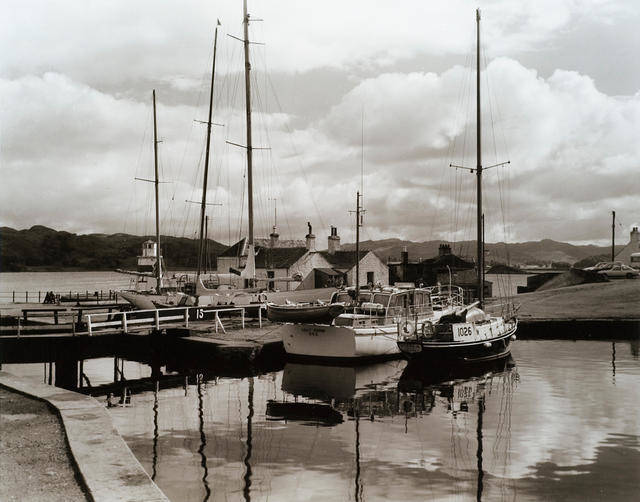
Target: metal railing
{"x": 126, "y": 321}
{"x": 68, "y": 296}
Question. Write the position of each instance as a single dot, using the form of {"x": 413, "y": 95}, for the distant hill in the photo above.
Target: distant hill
{"x": 42, "y": 248}
{"x": 523, "y": 253}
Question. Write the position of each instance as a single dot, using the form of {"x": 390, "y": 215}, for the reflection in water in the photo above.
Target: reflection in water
{"x": 491, "y": 432}
{"x": 613, "y": 362}
{"x": 247, "y": 464}
{"x": 479, "y": 452}
{"x": 154, "y": 463}
{"x": 203, "y": 439}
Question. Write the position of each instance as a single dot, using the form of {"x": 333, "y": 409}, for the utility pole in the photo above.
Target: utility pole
{"x": 613, "y": 236}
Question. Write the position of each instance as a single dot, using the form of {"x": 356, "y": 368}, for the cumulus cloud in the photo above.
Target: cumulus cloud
{"x": 76, "y": 120}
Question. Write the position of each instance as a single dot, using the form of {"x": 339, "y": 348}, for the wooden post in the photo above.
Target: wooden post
{"x": 89, "y": 324}
{"x": 55, "y": 317}
{"x": 124, "y": 321}
{"x": 26, "y": 297}
{"x": 242, "y": 317}
{"x": 157, "y": 318}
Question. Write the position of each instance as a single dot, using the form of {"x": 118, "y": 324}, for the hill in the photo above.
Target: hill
{"x": 42, "y": 248}
{"x": 523, "y": 253}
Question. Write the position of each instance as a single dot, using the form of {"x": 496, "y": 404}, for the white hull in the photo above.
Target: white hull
{"x": 343, "y": 342}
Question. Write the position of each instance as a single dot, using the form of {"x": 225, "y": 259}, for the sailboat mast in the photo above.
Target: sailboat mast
{"x": 357, "y": 245}
{"x": 247, "y": 84}
{"x": 480, "y": 243}
{"x": 206, "y": 159}
{"x": 156, "y": 183}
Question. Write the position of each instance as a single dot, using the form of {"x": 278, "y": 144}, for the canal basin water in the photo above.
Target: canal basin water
{"x": 559, "y": 421}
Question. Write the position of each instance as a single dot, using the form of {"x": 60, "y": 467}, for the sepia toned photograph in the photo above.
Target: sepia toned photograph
{"x": 351, "y": 251}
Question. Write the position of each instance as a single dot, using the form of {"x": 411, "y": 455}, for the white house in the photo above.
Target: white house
{"x": 314, "y": 269}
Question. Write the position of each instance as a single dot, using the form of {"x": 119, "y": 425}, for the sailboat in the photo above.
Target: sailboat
{"x": 468, "y": 334}
{"x": 151, "y": 254}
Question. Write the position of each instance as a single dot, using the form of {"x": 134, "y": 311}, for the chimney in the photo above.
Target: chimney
{"x": 333, "y": 241}
{"x": 273, "y": 237}
{"x": 444, "y": 250}
{"x": 310, "y": 240}
{"x": 404, "y": 256}
{"x": 635, "y": 236}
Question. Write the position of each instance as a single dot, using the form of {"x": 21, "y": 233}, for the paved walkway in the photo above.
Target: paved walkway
{"x": 105, "y": 464}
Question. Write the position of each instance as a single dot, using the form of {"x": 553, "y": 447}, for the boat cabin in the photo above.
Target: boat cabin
{"x": 378, "y": 306}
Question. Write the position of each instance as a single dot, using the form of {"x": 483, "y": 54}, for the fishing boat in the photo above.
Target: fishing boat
{"x": 317, "y": 312}
{"x": 468, "y": 333}
{"x": 150, "y": 263}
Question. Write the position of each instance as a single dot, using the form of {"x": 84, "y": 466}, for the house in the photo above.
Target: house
{"x": 303, "y": 266}
{"x": 624, "y": 255}
{"x": 444, "y": 268}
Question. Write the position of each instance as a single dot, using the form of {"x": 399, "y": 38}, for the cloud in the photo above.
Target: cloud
{"x": 76, "y": 129}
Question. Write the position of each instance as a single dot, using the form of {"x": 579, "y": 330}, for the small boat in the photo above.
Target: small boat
{"x": 317, "y": 312}
{"x": 468, "y": 333}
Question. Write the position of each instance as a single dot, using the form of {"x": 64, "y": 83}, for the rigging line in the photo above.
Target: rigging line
{"x": 297, "y": 157}
{"x": 132, "y": 193}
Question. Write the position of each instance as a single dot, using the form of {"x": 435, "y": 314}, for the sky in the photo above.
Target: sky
{"x": 359, "y": 96}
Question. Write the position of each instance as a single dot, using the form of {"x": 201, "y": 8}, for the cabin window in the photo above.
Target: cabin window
{"x": 364, "y": 297}
{"x": 419, "y": 299}
{"x": 382, "y": 299}
{"x": 343, "y": 297}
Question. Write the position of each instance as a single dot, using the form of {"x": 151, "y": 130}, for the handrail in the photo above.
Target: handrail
{"x": 156, "y": 320}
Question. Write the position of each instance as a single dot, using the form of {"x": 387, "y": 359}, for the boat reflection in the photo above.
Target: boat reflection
{"x": 323, "y": 394}
{"x": 457, "y": 388}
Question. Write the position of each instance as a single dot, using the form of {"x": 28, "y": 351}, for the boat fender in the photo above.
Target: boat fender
{"x": 408, "y": 328}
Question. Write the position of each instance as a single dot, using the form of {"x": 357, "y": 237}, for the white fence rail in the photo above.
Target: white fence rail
{"x": 152, "y": 318}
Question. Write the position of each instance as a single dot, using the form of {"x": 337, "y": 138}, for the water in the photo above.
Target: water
{"x": 60, "y": 282}
{"x": 559, "y": 421}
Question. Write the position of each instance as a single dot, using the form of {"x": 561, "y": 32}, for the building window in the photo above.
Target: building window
{"x": 370, "y": 278}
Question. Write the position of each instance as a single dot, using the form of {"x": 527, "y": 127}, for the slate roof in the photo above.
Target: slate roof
{"x": 343, "y": 260}
{"x": 279, "y": 257}
{"x": 238, "y": 249}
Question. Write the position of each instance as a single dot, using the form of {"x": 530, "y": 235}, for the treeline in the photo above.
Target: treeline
{"x": 42, "y": 248}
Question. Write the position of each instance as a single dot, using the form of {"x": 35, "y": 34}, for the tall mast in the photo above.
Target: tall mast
{"x": 156, "y": 183}
{"x": 480, "y": 243}
{"x": 206, "y": 159}
{"x": 357, "y": 245}
{"x": 247, "y": 85}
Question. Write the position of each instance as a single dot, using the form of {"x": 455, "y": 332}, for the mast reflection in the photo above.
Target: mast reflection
{"x": 246, "y": 491}
{"x": 203, "y": 439}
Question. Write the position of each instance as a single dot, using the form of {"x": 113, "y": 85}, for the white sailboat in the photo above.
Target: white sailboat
{"x": 468, "y": 334}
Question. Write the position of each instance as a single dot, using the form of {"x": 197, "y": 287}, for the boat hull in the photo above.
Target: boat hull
{"x": 320, "y": 314}
{"x": 336, "y": 343}
{"x": 475, "y": 350}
